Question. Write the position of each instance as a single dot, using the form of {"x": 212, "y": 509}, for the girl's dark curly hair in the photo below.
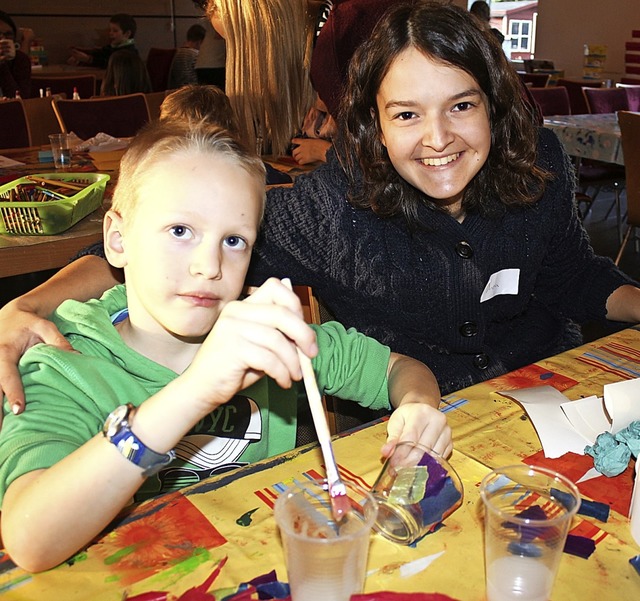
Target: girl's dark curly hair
{"x": 451, "y": 35}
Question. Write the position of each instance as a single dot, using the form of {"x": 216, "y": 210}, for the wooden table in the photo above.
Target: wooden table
{"x": 64, "y": 70}
{"x": 594, "y": 137}
{"x": 28, "y": 254}
{"x": 174, "y": 542}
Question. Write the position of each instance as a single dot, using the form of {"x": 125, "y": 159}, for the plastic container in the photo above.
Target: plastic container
{"x": 45, "y": 217}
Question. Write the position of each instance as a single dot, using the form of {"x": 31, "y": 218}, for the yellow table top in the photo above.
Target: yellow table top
{"x": 174, "y": 542}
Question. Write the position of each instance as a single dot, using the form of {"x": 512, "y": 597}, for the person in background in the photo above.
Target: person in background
{"x": 482, "y": 11}
{"x": 197, "y": 103}
{"x": 211, "y": 62}
{"x": 192, "y": 104}
{"x": 122, "y": 30}
{"x": 268, "y": 46}
{"x": 25, "y": 38}
{"x": 168, "y": 377}
{"x": 314, "y": 141}
{"x": 126, "y": 74}
{"x": 182, "y": 70}
{"x": 15, "y": 65}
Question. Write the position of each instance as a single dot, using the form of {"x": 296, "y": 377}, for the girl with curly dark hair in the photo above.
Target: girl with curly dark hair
{"x": 444, "y": 225}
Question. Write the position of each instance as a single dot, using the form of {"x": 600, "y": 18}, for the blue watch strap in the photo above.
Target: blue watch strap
{"x": 118, "y": 431}
{"x": 133, "y": 449}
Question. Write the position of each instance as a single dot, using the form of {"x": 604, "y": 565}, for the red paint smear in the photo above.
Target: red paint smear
{"x": 160, "y": 539}
{"x": 616, "y": 491}
{"x": 532, "y": 375}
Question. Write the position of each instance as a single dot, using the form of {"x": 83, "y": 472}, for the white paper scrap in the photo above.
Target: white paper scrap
{"x": 587, "y": 416}
{"x": 568, "y": 426}
{"x": 622, "y": 401}
{"x": 543, "y": 405}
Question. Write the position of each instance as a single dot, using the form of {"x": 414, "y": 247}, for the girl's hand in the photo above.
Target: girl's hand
{"x": 20, "y": 329}
{"x": 419, "y": 422}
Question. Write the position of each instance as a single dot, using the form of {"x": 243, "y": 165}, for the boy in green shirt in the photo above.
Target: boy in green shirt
{"x": 166, "y": 385}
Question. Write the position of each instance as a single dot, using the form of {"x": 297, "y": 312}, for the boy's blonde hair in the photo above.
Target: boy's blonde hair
{"x": 269, "y": 44}
{"x": 199, "y": 103}
{"x": 160, "y": 140}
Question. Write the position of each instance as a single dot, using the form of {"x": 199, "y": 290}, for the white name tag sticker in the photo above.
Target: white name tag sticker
{"x": 505, "y": 281}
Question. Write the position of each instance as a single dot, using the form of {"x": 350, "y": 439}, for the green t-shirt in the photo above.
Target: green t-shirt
{"x": 69, "y": 396}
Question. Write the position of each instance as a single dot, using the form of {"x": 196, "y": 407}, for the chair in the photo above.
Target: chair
{"x": 14, "y": 132}
{"x": 41, "y": 119}
{"x": 596, "y": 174}
{"x": 552, "y": 101}
{"x": 154, "y": 100}
{"x": 605, "y": 100}
{"x": 158, "y": 65}
{"x": 85, "y": 84}
{"x": 537, "y": 80}
{"x": 576, "y": 97}
{"x": 630, "y": 131}
{"x": 633, "y": 95}
{"x": 118, "y": 116}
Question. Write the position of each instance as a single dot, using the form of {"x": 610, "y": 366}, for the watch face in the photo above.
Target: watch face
{"x": 115, "y": 419}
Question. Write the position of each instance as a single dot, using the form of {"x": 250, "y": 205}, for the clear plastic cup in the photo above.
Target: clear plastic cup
{"x": 325, "y": 560}
{"x": 528, "y": 512}
{"x": 61, "y": 150}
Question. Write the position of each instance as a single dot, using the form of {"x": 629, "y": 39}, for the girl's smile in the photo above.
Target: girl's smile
{"x": 434, "y": 123}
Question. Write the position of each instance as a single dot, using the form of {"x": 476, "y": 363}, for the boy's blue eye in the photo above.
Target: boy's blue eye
{"x": 179, "y": 231}
{"x": 235, "y": 242}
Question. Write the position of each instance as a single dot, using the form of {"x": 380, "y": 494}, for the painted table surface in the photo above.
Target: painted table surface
{"x": 594, "y": 137}
{"x": 173, "y": 543}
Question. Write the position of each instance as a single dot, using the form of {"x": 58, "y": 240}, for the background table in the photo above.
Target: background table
{"x": 28, "y": 254}
{"x": 594, "y": 137}
{"x": 174, "y": 542}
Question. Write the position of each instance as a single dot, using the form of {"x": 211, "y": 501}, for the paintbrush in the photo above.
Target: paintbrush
{"x": 337, "y": 489}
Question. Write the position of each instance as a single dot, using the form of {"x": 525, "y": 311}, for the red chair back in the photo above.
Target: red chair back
{"x": 576, "y": 97}
{"x": 606, "y": 100}
{"x": 158, "y": 65}
{"x": 535, "y": 80}
{"x": 633, "y": 95}
{"x": 117, "y": 116}
{"x": 552, "y": 101}
{"x": 630, "y": 131}
{"x": 14, "y": 131}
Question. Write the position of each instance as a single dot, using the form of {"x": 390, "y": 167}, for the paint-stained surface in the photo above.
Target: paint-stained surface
{"x": 174, "y": 543}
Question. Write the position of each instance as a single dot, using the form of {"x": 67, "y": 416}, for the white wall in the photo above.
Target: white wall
{"x": 564, "y": 26}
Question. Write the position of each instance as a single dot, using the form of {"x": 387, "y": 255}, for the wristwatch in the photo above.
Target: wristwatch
{"x": 117, "y": 430}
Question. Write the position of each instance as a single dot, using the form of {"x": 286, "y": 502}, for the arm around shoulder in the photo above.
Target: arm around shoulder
{"x": 23, "y": 321}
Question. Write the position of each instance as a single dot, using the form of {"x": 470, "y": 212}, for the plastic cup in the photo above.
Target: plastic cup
{"x": 325, "y": 560}
{"x": 415, "y": 490}
{"x": 61, "y": 150}
{"x": 528, "y": 511}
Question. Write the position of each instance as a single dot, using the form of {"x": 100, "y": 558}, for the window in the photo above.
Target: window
{"x": 520, "y": 35}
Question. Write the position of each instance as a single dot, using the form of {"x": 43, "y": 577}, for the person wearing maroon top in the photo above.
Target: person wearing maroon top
{"x": 15, "y": 72}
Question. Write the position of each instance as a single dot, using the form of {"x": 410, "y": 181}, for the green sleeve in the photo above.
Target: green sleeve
{"x": 352, "y": 366}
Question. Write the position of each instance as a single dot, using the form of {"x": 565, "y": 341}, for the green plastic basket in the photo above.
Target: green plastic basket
{"x": 50, "y": 216}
